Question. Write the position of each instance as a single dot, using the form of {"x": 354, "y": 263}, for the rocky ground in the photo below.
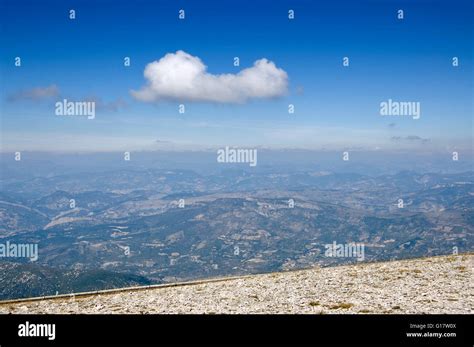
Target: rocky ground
{"x": 430, "y": 285}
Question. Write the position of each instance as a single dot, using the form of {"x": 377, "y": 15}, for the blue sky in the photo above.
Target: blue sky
{"x": 335, "y": 107}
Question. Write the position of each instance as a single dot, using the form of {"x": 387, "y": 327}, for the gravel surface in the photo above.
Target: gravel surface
{"x": 430, "y": 285}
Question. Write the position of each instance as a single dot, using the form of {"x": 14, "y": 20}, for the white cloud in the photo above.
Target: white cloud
{"x": 183, "y": 77}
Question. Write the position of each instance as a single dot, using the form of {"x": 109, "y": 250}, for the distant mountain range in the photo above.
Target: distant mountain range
{"x": 94, "y": 229}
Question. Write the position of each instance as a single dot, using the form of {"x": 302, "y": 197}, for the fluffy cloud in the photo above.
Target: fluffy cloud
{"x": 183, "y": 77}
{"x": 35, "y": 94}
